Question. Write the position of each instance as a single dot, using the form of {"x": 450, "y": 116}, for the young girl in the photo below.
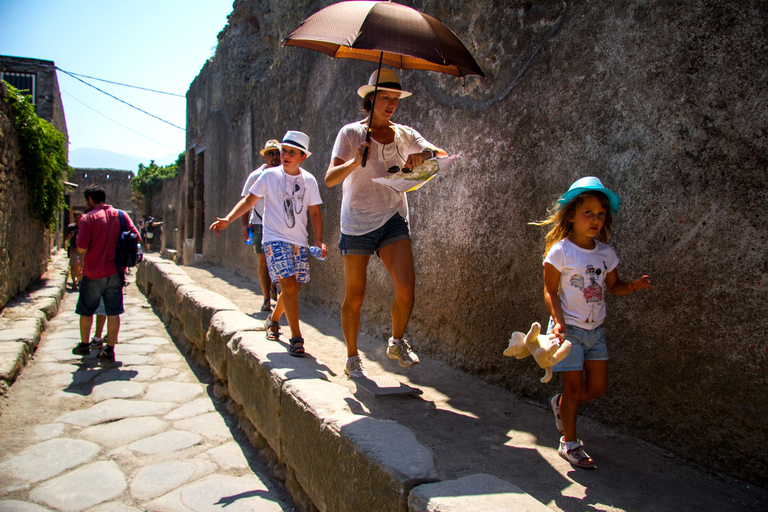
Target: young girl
{"x": 578, "y": 267}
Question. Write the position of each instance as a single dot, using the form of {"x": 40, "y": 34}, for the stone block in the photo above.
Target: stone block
{"x": 23, "y": 331}
{"x": 48, "y": 305}
{"x": 472, "y": 493}
{"x": 13, "y": 355}
{"x": 197, "y": 308}
{"x": 257, "y": 369}
{"x": 56, "y": 292}
{"x": 335, "y": 453}
{"x": 224, "y": 325}
{"x": 167, "y": 291}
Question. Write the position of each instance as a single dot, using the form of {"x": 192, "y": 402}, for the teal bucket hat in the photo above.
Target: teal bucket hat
{"x": 590, "y": 184}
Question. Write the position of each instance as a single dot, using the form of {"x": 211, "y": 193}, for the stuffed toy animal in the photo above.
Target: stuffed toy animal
{"x": 544, "y": 347}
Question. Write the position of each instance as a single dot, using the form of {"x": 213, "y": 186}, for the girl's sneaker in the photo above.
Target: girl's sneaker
{"x": 354, "y": 367}
{"x": 400, "y": 350}
{"x": 554, "y": 402}
{"x": 574, "y": 453}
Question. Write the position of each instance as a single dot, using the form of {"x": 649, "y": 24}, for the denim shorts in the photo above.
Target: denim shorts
{"x": 395, "y": 229}
{"x": 257, "y": 248}
{"x": 93, "y": 290}
{"x": 586, "y": 345}
{"x": 285, "y": 260}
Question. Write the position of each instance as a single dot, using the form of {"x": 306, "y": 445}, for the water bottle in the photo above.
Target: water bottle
{"x": 250, "y": 236}
{"x": 317, "y": 252}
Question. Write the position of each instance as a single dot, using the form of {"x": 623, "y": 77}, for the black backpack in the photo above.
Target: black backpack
{"x": 128, "y": 251}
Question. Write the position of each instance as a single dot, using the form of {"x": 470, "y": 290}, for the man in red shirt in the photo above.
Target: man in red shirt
{"x": 97, "y": 237}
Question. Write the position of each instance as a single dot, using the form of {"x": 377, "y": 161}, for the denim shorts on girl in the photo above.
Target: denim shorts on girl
{"x": 394, "y": 230}
{"x": 285, "y": 260}
{"x": 586, "y": 345}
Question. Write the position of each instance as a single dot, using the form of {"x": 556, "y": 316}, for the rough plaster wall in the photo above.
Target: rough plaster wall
{"x": 664, "y": 101}
{"x": 23, "y": 259}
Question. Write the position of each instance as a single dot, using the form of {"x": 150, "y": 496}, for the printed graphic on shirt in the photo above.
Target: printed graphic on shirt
{"x": 293, "y": 198}
{"x": 591, "y": 285}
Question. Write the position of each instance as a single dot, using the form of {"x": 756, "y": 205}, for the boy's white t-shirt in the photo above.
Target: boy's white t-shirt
{"x": 257, "y": 212}
{"x": 582, "y": 280}
{"x": 365, "y": 204}
{"x": 286, "y": 200}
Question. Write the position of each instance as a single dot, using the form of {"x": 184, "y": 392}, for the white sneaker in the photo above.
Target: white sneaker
{"x": 400, "y": 350}
{"x": 354, "y": 366}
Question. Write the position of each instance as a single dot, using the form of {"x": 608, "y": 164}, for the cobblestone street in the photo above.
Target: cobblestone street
{"x": 145, "y": 434}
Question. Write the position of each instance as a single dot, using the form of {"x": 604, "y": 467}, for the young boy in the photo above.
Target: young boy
{"x": 290, "y": 194}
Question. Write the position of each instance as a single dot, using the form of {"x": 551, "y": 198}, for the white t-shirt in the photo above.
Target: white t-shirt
{"x": 257, "y": 212}
{"x": 286, "y": 200}
{"x": 366, "y": 205}
{"x": 582, "y": 281}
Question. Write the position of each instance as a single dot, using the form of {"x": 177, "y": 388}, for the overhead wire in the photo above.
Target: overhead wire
{"x": 117, "y": 123}
{"x": 121, "y": 84}
{"x": 118, "y": 99}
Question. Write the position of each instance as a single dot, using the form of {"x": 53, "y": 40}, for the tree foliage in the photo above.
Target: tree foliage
{"x": 149, "y": 179}
{"x": 43, "y": 152}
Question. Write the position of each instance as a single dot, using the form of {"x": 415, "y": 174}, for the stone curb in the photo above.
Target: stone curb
{"x": 325, "y": 452}
{"x": 26, "y": 316}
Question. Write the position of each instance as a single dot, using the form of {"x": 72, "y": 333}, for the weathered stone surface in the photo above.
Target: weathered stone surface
{"x": 198, "y": 307}
{"x": 20, "y": 506}
{"x": 27, "y": 333}
{"x": 117, "y": 389}
{"x": 153, "y": 481}
{"x": 49, "y": 458}
{"x": 229, "y": 456}
{"x": 348, "y": 451}
{"x": 114, "y": 409}
{"x": 117, "y": 433}
{"x": 13, "y": 355}
{"x": 234, "y": 494}
{"x": 173, "y": 391}
{"x": 210, "y": 425}
{"x": 224, "y": 325}
{"x": 165, "y": 442}
{"x": 69, "y": 494}
{"x": 193, "y": 408}
{"x": 473, "y": 493}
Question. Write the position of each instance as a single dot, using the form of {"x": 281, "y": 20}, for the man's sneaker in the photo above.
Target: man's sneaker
{"x": 82, "y": 349}
{"x": 354, "y": 367}
{"x": 96, "y": 343}
{"x": 401, "y": 351}
{"x": 107, "y": 355}
{"x": 554, "y": 402}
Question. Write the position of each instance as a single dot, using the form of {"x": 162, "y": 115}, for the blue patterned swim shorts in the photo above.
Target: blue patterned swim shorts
{"x": 286, "y": 260}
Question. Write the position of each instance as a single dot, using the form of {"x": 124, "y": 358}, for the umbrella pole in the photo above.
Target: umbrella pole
{"x": 370, "y": 117}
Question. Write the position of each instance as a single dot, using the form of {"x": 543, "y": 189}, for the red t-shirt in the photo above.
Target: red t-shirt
{"x": 98, "y": 232}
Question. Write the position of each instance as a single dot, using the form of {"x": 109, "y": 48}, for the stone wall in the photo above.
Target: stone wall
{"x": 24, "y": 241}
{"x": 116, "y": 184}
{"x": 664, "y": 101}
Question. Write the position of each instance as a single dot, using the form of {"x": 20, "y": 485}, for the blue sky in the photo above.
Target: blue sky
{"x": 156, "y": 44}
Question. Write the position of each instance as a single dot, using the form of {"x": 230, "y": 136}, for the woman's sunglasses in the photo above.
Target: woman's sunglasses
{"x": 394, "y": 169}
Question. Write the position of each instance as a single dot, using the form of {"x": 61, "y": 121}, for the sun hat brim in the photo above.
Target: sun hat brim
{"x": 366, "y": 89}
{"x": 590, "y": 184}
{"x": 303, "y": 150}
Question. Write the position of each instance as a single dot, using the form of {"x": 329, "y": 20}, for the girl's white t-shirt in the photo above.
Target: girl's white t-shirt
{"x": 366, "y": 205}
{"x": 286, "y": 199}
{"x": 582, "y": 280}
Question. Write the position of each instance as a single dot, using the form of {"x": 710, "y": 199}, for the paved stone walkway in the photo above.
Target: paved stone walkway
{"x": 145, "y": 434}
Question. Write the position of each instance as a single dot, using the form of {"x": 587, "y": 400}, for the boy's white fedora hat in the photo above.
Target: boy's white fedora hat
{"x": 298, "y": 140}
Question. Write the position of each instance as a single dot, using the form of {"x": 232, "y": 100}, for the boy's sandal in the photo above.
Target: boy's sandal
{"x": 296, "y": 347}
{"x": 272, "y": 335}
{"x": 577, "y": 456}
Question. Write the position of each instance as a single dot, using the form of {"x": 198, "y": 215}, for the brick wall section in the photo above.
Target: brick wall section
{"x": 24, "y": 242}
{"x": 116, "y": 184}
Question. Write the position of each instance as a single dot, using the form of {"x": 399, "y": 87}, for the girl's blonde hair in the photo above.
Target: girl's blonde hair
{"x": 560, "y": 216}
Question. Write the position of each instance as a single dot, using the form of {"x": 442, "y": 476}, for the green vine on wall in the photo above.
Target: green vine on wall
{"x": 43, "y": 157}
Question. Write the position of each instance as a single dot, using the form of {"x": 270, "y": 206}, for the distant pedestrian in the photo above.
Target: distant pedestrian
{"x": 253, "y": 223}
{"x": 97, "y": 238}
{"x": 290, "y": 195}
{"x": 75, "y": 258}
{"x": 578, "y": 267}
